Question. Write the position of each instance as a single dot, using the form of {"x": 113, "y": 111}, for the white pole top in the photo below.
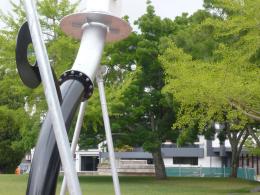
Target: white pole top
{"x": 108, "y": 6}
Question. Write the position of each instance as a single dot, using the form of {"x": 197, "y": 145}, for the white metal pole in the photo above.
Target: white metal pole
{"x": 52, "y": 98}
{"x": 91, "y": 49}
{"x": 75, "y": 139}
{"x": 102, "y": 95}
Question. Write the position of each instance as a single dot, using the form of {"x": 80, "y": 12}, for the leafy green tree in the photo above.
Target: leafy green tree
{"x": 140, "y": 114}
{"x": 92, "y": 131}
{"x": 25, "y": 107}
{"x": 12, "y": 149}
{"x": 213, "y": 89}
{"x": 193, "y": 39}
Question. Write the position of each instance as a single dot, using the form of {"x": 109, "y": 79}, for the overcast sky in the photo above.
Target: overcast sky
{"x": 164, "y": 8}
{"x": 135, "y": 8}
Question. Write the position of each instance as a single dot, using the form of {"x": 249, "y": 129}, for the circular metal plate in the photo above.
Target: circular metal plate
{"x": 72, "y": 24}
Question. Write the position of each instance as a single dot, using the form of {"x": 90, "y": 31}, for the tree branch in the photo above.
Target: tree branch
{"x": 243, "y": 141}
{"x": 240, "y": 134}
{"x": 230, "y": 137}
{"x": 48, "y": 34}
{"x": 245, "y": 110}
{"x": 252, "y": 133}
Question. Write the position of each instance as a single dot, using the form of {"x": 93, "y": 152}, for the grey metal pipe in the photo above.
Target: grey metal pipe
{"x": 111, "y": 152}
{"x": 75, "y": 139}
{"x": 52, "y": 98}
{"x": 45, "y": 165}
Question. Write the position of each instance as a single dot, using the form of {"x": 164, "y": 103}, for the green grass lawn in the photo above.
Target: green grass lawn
{"x": 16, "y": 185}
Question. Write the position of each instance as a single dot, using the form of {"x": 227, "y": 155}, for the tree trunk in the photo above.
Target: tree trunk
{"x": 234, "y": 171}
{"x": 160, "y": 172}
{"x": 237, "y": 140}
{"x": 234, "y": 167}
{"x": 234, "y": 158}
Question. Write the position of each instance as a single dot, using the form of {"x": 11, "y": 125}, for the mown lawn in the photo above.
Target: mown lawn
{"x": 16, "y": 185}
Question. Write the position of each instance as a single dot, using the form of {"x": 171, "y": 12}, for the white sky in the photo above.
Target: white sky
{"x": 135, "y": 8}
{"x": 163, "y": 8}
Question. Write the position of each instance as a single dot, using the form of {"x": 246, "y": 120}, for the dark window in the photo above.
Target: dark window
{"x": 89, "y": 163}
{"x": 185, "y": 160}
{"x": 149, "y": 161}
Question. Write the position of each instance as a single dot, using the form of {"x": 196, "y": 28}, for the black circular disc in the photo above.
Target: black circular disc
{"x": 29, "y": 73}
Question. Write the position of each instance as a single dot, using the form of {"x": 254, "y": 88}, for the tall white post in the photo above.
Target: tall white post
{"x": 111, "y": 152}
{"x": 52, "y": 98}
{"x": 75, "y": 139}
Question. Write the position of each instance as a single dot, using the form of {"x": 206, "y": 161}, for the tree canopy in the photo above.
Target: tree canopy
{"x": 171, "y": 80}
{"x": 210, "y": 88}
{"x": 25, "y": 108}
{"x": 140, "y": 114}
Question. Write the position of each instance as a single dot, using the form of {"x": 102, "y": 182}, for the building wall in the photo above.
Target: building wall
{"x": 215, "y": 142}
{"x": 77, "y": 162}
{"x": 206, "y": 161}
{"x": 168, "y": 162}
{"x": 210, "y": 161}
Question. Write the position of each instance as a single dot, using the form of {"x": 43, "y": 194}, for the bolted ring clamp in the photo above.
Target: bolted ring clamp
{"x": 82, "y": 78}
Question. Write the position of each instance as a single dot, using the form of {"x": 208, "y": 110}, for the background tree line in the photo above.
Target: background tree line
{"x": 172, "y": 80}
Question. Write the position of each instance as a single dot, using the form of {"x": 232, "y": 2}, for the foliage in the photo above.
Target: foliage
{"x": 26, "y": 107}
{"x": 209, "y": 88}
{"x": 124, "y": 148}
{"x": 92, "y": 132}
{"x": 12, "y": 147}
{"x": 140, "y": 114}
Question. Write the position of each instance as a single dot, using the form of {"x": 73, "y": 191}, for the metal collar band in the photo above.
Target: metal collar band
{"x": 82, "y": 78}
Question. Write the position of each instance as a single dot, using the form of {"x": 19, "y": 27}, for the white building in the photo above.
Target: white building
{"x": 204, "y": 153}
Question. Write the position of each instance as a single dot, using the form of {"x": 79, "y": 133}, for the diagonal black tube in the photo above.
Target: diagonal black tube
{"x": 46, "y": 160}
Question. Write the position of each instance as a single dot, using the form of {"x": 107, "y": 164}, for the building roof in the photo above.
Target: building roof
{"x": 166, "y": 153}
